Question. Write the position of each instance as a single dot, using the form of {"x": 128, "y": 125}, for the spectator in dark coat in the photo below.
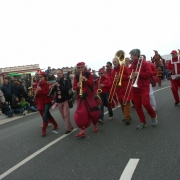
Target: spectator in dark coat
{"x": 48, "y": 70}
{"x": 7, "y": 91}
{"x": 6, "y": 110}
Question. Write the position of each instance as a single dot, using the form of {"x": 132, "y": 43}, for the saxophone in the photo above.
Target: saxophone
{"x": 80, "y": 87}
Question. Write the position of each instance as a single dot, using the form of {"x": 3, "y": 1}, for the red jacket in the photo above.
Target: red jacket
{"x": 41, "y": 96}
{"x": 121, "y": 91}
{"x": 154, "y": 72}
{"x": 87, "y": 85}
{"x": 172, "y": 66}
{"x": 109, "y": 73}
{"x": 106, "y": 81}
{"x": 144, "y": 77}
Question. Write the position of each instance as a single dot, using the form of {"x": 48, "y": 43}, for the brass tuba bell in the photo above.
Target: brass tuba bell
{"x": 120, "y": 55}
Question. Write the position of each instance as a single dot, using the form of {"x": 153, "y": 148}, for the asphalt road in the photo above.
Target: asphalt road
{"x": 99, "y": 156}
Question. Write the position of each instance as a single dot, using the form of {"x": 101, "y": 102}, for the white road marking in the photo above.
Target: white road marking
{"x": 112, "y": 109}
{"x": 161, "y": 89}
{"x": 33, "y": 155}
{"x": 129, "y": 169}
{"x": 55, "y": 132}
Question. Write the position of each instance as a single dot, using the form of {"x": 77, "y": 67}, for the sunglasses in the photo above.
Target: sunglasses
{"x": 100, "y": 73}
{"x": 40, "y": 76}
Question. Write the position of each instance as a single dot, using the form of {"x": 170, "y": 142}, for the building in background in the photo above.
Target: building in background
{"x": 19, "y": 72}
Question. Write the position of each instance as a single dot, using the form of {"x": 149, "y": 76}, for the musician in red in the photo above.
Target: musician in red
{"x": 121, "y": 74}
{"x": 156, "y": 59}
{"x": 174, "y": 67}
{"x": 152, "y": 83}
{"x": 109, "y": 69}
{"x": 87, "y": 110}
{"x": 141, "y": 74}
{"x": 103, "y": 85}
{"x": 43, "y": 102}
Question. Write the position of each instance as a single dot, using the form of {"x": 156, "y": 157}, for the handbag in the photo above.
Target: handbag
{"x": 70, "y": 102}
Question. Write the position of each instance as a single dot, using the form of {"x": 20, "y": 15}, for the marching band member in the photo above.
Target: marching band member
{"x": 174, "y": 67}
{"x": 103, "y": 84}
{"x": 87, "y": 109}
{"x": 159, "y": 74}
{"x": 127, "y": 62}
{"x": 62, "y": 94}
{"x": 43, "y": 102}
{"x": 152, "y": 83}
{"x": 156, "y": 59}
{"x": 121, "y": 91}
{"x": 109, "y": 69}
{"x": 141, "y": 93}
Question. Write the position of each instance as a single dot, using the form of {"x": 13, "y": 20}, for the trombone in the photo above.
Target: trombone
{"x": 120, "y": 55}
{"x": 133, "y": 83}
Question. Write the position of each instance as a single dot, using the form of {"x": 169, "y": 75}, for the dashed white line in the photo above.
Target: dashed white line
{"x": 129, "y": 169}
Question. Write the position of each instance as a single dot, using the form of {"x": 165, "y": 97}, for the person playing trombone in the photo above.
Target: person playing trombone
{"x": 141, "y": 75}
{"x": 123, "y": 92}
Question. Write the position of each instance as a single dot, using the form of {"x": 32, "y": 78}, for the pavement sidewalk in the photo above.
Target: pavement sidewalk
{"x": 4, "y": 119}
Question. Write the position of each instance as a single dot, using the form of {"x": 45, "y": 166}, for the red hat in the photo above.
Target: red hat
{"x": 80, "y": 64}
{"x": 43, "y": 74}
{"x": 101, "y": 70}
{"x": 173, "y": 52}
{"x": 38, "y": 71}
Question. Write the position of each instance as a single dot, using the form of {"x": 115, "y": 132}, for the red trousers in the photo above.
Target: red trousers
{"x": 175, "y": 84}
{"x": 159, "y": 80}
{"x": 140, "y": 100}
{"x": 81, "y": 115}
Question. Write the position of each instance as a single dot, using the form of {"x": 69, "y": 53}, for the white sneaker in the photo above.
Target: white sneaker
{"x": 49, "y": 124}
{"x": 154, "y": 121}
{"x": 100, "y": 121}
{"x": 110, "y": 118}
{"x": 25, "y": 112}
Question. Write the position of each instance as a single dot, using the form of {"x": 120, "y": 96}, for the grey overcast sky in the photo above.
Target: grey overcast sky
{"x": 61, "y": 33}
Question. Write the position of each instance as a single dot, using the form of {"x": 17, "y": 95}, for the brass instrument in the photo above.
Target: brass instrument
{"x": 99, "y": 90}
{"x": 81, "y": 83}
{"x": 120, "y": 55}
{"x": 31, "y": 93}
{"x": 140, "y": 64}
{"x": 36, "y": 91}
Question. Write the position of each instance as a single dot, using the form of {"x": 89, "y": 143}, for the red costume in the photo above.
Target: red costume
{"x": 154, "y": 73}
{"x": 174, "y": 67}
{"x": 109, "y": 73}
{"x": 87, "y": 109}
{"x": 124, "y": 92}
{"x": 157, "y": 59}
{"x": 103, "y": 84}
{"x": 159, "y": 75}
{"x": 141, "y": 93}
{"x": 43, "y": 103}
